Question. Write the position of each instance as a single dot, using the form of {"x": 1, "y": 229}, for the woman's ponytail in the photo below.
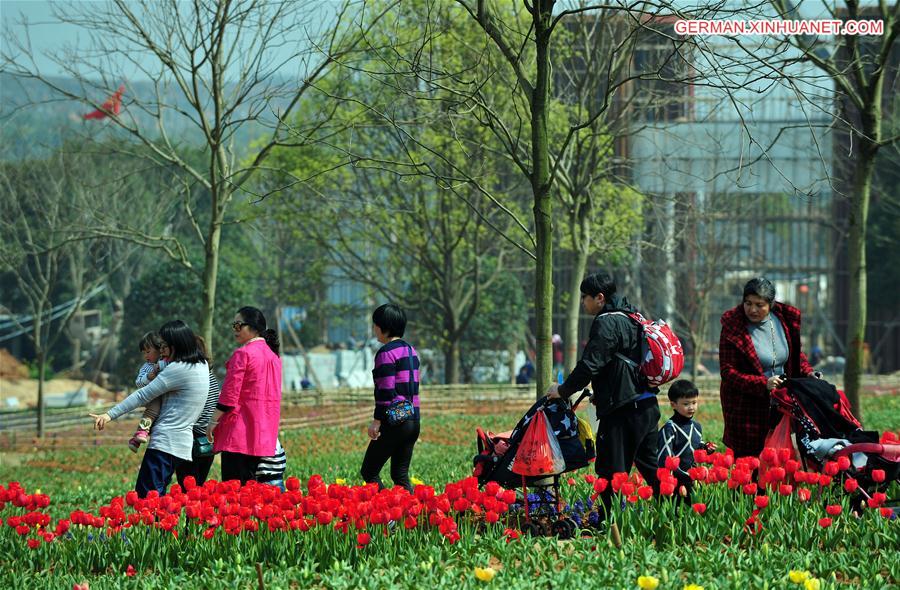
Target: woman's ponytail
{"x": 271, "y": 338}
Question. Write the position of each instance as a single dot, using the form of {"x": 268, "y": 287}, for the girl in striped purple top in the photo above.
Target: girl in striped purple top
{"x": 396, "y": 376}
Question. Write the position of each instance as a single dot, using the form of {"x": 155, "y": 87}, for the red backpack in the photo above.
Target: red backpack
{"x": 662, "y": 356}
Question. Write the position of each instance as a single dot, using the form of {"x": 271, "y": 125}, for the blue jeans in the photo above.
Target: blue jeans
{"x": 156, "y": 471}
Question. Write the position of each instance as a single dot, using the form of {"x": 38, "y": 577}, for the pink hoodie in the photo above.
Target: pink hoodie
{"x": 253, "y": 387}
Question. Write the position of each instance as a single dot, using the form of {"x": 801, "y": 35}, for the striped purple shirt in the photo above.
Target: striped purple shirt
{"x": 396, "y": 376}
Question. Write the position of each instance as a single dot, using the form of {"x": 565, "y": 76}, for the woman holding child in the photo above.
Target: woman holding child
{"x": 759, "y": 343}
{"x": 186, "y": 378}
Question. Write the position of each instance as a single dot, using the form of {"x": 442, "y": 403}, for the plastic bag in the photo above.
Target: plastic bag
{"x": 779, "y": 438}
{"x": 586, "y": 436}
{"x": 539, "y": 452}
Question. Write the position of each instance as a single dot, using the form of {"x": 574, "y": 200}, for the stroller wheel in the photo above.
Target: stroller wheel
{"x": 564, "y": 529}
{"x": 531, "y": 529}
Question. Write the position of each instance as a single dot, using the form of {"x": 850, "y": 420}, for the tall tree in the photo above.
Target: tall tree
{"x": 863, "y": 69}
{"x": 219, "y": 71}
{"x": 55, "y": 268}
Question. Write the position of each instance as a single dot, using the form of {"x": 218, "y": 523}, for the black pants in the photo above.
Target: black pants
{"x": 625, "y": 437}
{"x": 395, "y": 443}
{"x": 199, "y": 467}
{"x": 239, "y": 466}
{"x": 155, "y": 473}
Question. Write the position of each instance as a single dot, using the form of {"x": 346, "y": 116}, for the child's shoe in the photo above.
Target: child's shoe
{"x": 140, "y": 437}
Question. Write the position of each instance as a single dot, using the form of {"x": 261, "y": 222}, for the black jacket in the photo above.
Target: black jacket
{"x": 613, "y": 381}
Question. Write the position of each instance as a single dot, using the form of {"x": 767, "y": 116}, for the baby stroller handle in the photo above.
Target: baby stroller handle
{"x": 586, "y": 393}
{"x": 887, "y": 452}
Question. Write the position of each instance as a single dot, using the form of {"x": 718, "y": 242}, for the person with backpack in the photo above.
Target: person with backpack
{"x": 624, "y": 397}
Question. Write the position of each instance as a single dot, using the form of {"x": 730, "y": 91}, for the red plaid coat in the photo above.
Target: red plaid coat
{"x": 745, "y": 399}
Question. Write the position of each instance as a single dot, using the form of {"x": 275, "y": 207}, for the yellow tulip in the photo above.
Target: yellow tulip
{"x": 340, "y": 481}
{"x": 485, "y": 574}
{"x": 416, "y": 481}
{"x": 798, "y": 576}
{"x": 812, "y": 584}
{"x": 693, "y": 587}
{"x": 647, "y": 582}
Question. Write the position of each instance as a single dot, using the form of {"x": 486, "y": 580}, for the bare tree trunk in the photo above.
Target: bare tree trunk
{"x": 856, "y": 254}
{"x": 540, "y": 185}
{"x": 573, "y": 311}
{"x": 41, "y": 363}
{"x": 210, "y": 278}
{"x": 452, "y": 360}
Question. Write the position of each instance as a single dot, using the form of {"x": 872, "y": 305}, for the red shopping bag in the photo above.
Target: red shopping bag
{"x": 778, "y": 438}
{"x": 539, "y": 452}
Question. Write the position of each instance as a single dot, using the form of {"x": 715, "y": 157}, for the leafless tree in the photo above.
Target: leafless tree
{"x": 43, "y": 202}
{"x": 207, "y": 76}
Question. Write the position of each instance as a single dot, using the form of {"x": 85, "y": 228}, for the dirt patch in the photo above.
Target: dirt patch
{"x": 10, "y": 367}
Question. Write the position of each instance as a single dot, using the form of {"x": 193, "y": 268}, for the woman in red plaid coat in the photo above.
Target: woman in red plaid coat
{"x": 760, "y": 342}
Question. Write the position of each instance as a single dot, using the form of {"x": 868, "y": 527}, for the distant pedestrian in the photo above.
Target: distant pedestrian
{"x": 396, "y": 376}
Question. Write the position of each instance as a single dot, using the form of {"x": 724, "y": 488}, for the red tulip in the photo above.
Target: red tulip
{"x": 887, "y": 512}
{"x": 761, "y": 501}
{"x": 769, "y": 455}
{"x": 363, "y": 539}
{"x": 33, "y": 543}
{"x": 825, "y": 522}
{"x": 698, "y": 508}
{"x": 698, "y": 473}
{"x": 784, "y": 454}
{"x": 600, "y": 485}
{"x": 804, "y": 494}
{"x": 673, "y": 463}
{"x": 831, "y": 468}
{"x": 130, "y": 571}
{"x": 878, "y": 475}
{"x": 833, "y": 509}
{"x": 843, "y": 463}
{"x": 645, "y": 492}
{"x": 667, "y": 488}
{"x": 750, "y": 489}
{"x": 850, "y": 485}
{"x": 701, "y": 456}
{"x": 785, "y": 489}
{"x": 775, "y": 474}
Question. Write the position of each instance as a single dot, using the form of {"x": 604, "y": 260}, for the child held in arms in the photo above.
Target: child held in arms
{"x": 682, "y": 435}
{"x": 156, "y": 358}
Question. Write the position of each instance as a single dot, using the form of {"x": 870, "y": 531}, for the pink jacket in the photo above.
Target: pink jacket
{"x": 253, "y": 388}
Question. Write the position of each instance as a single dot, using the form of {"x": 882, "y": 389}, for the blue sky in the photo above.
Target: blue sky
{"x": 49, "y": 34}
{"x": 46, "y": 34}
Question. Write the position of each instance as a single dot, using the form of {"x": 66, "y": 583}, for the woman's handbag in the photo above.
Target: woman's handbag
{"x": 402, "y": 410}
{"x": 202, "y": 447}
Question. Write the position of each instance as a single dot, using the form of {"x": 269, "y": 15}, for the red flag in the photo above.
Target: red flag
{"x": 113, "y": 105}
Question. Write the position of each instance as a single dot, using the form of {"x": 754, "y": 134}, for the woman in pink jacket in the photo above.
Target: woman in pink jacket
{"x": 249, "y": 407}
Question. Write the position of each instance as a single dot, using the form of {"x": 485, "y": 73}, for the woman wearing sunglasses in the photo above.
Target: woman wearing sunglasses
{"x": 249, "y": 409}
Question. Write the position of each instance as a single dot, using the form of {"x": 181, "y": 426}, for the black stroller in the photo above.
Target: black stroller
{"x": 824, "y": 428}
{"x": 496, "y": 453}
